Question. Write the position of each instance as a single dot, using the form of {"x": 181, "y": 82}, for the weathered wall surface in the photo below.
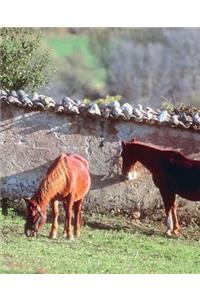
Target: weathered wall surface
{"x": 30, "y": 140}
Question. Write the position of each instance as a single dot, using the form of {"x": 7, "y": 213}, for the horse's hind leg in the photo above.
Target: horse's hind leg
{"x": 54, "y": 226}
{"x": 77, "y": 217}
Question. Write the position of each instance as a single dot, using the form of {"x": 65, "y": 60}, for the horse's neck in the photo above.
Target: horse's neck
{"x": 147, "y": 157}
{"x": 42, "y": 202}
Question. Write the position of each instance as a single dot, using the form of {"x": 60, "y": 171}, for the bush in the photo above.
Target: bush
{"x": 24, "y": 61}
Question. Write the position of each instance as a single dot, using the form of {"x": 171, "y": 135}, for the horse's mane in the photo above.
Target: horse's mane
{"x": 175, "y": 154}
{"x": 153, "y": 146}
{"x": 55, "y": 178}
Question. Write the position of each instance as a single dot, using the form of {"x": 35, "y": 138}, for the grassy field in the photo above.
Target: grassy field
{"x": 111, "y": 248}
{"x": 71, "y": 44}
{"x": 65, "y": 47}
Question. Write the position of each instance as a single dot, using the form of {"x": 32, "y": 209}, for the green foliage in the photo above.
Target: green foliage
{"x": 24, "y": 62}
{"x": 96, "y": 251}
{"x": 103, "y": 101}
{"x": 108, "y": 99}
{"x": 189, "y": 109}
{"x": 167, "y": 105}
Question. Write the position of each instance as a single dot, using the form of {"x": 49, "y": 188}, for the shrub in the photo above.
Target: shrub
{"x": 24, "y": 61}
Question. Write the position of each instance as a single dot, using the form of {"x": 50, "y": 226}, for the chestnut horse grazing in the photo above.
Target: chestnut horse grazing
{"x": 172, "y": 173}
{"x": 67, "y": 180}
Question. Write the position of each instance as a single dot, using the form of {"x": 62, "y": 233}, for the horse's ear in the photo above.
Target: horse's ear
{"x": 133, "y": 140}
{"x": 123, "y": 144}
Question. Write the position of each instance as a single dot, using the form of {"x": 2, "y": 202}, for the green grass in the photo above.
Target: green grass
{"x": 96, "y": 251}
{"x": 66, "y": 47}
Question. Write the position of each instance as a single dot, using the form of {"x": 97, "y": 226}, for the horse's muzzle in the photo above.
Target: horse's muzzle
{"x": 130, "y": 175}
{"x": 29, "y": 232}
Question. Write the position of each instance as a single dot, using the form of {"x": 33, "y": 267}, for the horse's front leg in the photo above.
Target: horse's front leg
{"x": 169, "y": 200}
{"x": 77, "y": 217}
{"x": 68, "y": 218}
{"x": 169, "y": 222}
{"x": 54, "y": 226}
{"x": 175, "y": 219}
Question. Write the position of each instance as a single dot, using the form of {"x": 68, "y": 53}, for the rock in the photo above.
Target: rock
{"x": 163, "y": 117}
{"x": 93, "y": 109}
{"x": 14, "y": 100}
{"x": 21, "y": 94}
{"x": 35, "y": 97}
{"x": 48, "y": 102}
{"x": 105, "y": 111}
{"x": 13, "y": 94}
{"x": 3, "y": 93}
{"x": 59, "y": 108}
{"x": 127, "y": 110}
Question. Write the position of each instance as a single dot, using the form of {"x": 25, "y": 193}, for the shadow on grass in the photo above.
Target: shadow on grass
{"x": 142, "y": 228}
{"x": 103, "y": 226}
{"x": 131, "y": 228}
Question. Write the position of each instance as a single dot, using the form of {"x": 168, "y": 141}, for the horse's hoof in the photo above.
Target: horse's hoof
{"x": 70, "y": 238}
{"x": 176, "y": 232}
{"x": 77, "y": 234}
{"x": 168, "y": 233}
{"x": 52, "y": 236}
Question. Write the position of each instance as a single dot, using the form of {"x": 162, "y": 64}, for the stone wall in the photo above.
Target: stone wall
{"x": 30, "y": 140}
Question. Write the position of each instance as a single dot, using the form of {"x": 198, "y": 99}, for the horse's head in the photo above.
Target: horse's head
{"x": 35, "y": 218}
{"x": 128, "y": 161}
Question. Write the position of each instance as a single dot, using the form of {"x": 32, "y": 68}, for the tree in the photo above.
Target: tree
{"x": 24, "y": 61}
{"x": 143, "y": 64}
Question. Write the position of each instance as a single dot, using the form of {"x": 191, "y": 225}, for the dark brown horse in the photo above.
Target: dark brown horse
{"x": 67, "y": 180}
{"x": 172, "y": 173}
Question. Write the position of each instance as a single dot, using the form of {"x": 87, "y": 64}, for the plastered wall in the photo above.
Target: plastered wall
{"x": 30, "y": 140}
